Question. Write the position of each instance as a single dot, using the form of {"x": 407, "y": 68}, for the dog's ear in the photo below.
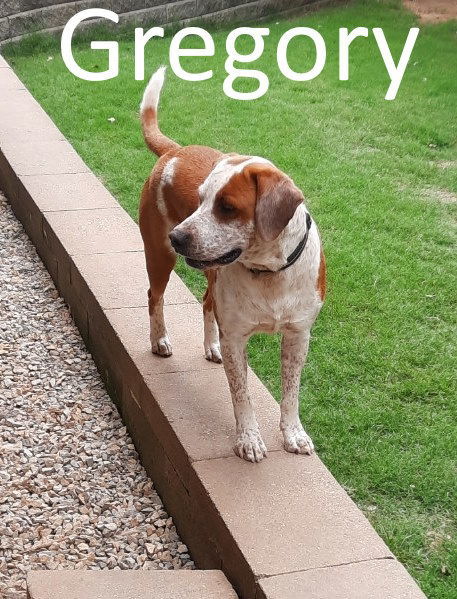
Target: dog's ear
{"x": 277, "y": 200}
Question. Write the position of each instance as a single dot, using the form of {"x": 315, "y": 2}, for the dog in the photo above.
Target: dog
{"x": 243, "y": 222}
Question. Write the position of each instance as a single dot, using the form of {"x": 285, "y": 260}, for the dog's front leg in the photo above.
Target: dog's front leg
{"x": 249, "y": 444}
{"x": 294, "y": 349}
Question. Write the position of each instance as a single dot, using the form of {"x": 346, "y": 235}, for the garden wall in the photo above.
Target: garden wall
{"x": 21, "y": 17}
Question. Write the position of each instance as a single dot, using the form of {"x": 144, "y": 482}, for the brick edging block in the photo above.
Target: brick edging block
{"x": 127, "y": 584}
{"x": 273, "y": 527}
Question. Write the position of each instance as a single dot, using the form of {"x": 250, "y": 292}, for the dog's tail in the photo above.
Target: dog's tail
{"x": 156, "y": 141}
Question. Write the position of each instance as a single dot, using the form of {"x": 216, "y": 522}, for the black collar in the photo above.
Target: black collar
{"x": 294, "y": 256}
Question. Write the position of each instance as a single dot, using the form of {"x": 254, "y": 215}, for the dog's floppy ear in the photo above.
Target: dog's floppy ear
{"x": 277, "y": 200}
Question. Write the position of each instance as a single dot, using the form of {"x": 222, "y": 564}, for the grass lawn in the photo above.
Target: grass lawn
{"x": 379, "y": 393}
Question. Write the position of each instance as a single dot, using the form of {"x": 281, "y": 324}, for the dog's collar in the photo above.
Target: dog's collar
{"x": 293, "y": 257}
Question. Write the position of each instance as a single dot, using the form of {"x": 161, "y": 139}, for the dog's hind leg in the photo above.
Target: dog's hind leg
{"x": 160, "y": 342}
{"x": 211, "y": 341}
{"x": 160, "y": 261}
{"x": 163, "y": 263}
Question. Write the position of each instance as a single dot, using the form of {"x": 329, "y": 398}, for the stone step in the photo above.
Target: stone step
{"x": 128, "y": 584}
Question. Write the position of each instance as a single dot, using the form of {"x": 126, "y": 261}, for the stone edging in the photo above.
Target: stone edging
{"x": 128, "y": 584}
{"x": 280, "y": 529}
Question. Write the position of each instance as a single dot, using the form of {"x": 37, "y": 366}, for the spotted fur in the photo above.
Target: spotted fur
{"x": 216, "y": 207}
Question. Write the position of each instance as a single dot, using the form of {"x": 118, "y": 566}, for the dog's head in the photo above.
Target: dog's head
{"x": 243, "y": 200}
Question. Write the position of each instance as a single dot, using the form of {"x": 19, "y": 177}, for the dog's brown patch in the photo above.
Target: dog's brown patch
{"x": 193, "y": 165}
{"x": 262, "y": 194}
{"x": 208, "y": 298}
{"x": 240, "y": 193}
{"x": 160, "y": 258}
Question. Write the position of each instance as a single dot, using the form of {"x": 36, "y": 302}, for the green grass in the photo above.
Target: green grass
{"x": 378, "y": 393}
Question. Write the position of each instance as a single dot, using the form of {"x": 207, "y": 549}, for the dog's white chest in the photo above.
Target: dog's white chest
{"x": 267, "y": 303}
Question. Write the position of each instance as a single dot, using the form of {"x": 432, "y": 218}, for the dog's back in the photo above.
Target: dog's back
{"x": 180, "y": 170}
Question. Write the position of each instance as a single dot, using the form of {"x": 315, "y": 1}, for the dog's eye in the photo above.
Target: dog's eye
{"x": 226, "y": 207}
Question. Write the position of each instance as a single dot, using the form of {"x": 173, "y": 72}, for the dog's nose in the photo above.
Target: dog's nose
{"x": 179, "y": 240}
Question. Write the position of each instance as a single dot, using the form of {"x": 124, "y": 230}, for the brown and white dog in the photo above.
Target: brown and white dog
{"x": 242, "y": 222}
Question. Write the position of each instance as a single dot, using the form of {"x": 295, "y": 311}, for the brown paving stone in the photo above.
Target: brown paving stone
{"x": 151, "y": 584}
{"x": 203, "y": 399}
{"x": 185, "y": 328}
{"x": 119, "y": 280}
{"x": 36, "y": 157}
{"x": 116, "y": 280}
{"x": 75, "y": 191}
{"x": 177, "y": 292}
{"x": 100, "y": 231}
{"x": 22, "y": 119}
{"x": 288, "y": 513}
{"x": 376, "y": 579}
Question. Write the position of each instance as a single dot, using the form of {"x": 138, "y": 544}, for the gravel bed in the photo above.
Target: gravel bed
{"x": 72, "y": 491}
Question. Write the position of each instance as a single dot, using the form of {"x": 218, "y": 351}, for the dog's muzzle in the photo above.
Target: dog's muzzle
{"x": 180, "y": 242}
{"x": 223, "y": 260}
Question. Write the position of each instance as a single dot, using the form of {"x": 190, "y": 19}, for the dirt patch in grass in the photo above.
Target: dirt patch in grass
{"x": 443, "y": 164}
{"x": 446, "y": 164}
{"x": 433, "y": 11}
{"x": 444, "y": 196}
{"x": 361, "y": 150}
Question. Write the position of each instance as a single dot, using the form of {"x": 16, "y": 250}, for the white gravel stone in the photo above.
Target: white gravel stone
{"x": 72, "y": 491}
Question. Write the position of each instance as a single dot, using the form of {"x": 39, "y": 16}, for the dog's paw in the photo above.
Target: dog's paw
{"x": 296, "y": 440}
{"x": 213, "y": 352}
{"x": 161, "y": 347}
{"x": 250, "y": 446}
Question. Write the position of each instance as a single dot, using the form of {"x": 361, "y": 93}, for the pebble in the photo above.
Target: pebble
{"x": 73, "y": 494}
